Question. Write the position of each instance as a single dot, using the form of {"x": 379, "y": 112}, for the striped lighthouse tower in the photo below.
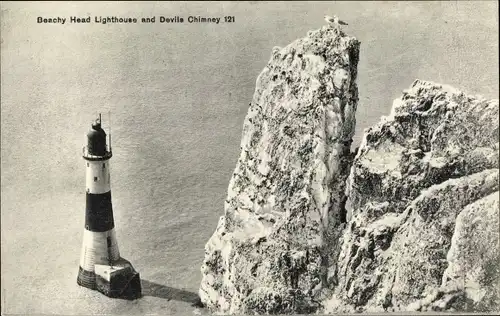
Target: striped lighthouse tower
{"x": 101, "y": 267}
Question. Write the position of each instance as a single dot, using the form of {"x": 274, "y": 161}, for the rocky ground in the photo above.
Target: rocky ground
{"x": 420, "y": 227}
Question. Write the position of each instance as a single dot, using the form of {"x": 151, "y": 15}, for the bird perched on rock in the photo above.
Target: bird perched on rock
{"x": 334, "y": 21}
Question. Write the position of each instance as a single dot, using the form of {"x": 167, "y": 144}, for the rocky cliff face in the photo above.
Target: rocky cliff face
{"x": 424, "y": 194}
{"x": 270, "y": 251}
{"x": 422, "y": 231}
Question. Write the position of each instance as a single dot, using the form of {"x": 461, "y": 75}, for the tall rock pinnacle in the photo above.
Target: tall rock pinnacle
{"x": 269, "y": 253}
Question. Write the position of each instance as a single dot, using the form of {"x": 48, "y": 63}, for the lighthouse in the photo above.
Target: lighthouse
{"x": 101, "y": 266}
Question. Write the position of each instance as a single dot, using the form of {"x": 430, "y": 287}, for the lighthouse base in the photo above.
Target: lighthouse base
{"x": 118, "y": 280}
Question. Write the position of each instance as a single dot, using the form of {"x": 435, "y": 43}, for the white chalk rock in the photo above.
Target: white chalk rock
{"x": 424, "y": 195}
{"x": 270, "y": 251}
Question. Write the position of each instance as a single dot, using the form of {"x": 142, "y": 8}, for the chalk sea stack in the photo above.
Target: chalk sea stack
{"x": 410, "y": 222}
{"x": 423, "y": 234}
{"x": 268, "y": 253}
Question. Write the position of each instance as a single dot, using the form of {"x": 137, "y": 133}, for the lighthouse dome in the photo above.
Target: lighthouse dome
{"x": 96, "y": 140}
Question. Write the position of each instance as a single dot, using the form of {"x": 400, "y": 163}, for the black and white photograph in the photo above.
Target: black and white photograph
{"x": 250, "y": 158}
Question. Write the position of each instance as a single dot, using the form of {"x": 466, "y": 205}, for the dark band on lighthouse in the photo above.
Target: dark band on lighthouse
{"x": 99, "y": 212}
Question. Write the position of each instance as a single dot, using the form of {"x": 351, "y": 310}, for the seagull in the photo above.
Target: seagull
{"x": 334, "y": 20}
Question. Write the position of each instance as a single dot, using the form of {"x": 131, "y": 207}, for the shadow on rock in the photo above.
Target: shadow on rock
{"x": 169, "y": 293}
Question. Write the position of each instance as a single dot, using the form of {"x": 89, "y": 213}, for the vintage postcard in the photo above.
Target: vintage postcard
{"x": 249, "y": 157}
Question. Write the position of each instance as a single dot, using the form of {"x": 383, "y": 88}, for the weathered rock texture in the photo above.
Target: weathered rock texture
{"x": 270, "y": 251}
{"x": 423, "y": 233}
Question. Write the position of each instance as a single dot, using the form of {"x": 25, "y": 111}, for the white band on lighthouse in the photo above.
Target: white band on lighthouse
{"x": 98, "y": 177}
{"x": 98, "y": 248}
